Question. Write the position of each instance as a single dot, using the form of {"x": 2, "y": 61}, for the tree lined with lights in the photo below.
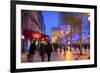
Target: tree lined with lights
{"x": 73, "y": 21}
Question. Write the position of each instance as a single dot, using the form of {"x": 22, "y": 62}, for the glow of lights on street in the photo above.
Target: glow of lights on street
{"x": 66, "y": 32}
{"x": 36, "y": 36}
{"x": 89, "y": 18}
{"x": 22, "y": 37}
{"x": 68, "y": 43}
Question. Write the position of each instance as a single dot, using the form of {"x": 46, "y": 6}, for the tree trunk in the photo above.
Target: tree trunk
{"x": 71, "y": 38}
{"x": 80, "y": 39}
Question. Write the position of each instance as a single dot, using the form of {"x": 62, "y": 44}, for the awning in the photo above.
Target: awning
{"x": 29, "y": 34}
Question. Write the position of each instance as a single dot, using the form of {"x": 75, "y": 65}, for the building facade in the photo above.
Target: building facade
{"x": 30, "y": 20}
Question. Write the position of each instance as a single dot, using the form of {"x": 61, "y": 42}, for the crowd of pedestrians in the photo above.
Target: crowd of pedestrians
{"x": 45, "y": 48}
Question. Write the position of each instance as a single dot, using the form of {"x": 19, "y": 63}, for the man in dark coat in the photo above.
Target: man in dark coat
{"x": 48, "y": 49}
{"x": 31, "y": 51}
{"x": 55, "y": 46}
{"x": 42, "y": 51}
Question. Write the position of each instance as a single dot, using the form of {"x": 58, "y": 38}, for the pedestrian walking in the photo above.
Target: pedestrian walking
{"x": 31, "y": 51}
{"x": 48, "y": 49}
{"x": 55, "y": 46}
{"x": 64, "y": 49}
{"x": 42, "y": 51}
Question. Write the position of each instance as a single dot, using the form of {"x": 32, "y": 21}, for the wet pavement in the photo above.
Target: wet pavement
{"x": 59, "y": 56}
